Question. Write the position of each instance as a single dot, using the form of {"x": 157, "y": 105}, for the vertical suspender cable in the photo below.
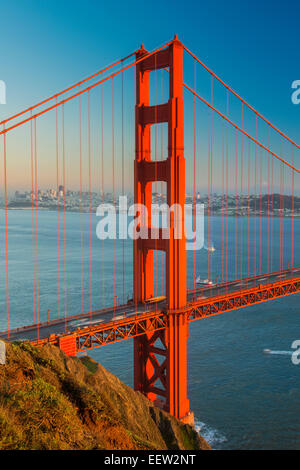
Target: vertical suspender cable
{"x": 6, "y": 236}
{"x": 194, "y": 179}
{"x": 123, "y": 169}
{"x": 161, "y": 157}
{"x": 155, "y": 79}
{"x": 242, "y": 169}
{"x": 211, "y": 181}
{"x": 209, "y": 198}
{"x": 280, "y": 212}
{"x": 268, "y": 248}
{"x": 32, "y": 218}
{"x": 81, "y": 215}
{"x": 260, "y": 209}
{"x": 255, "y": 171}
{"x": 64, "y": 196}
{"x": 280, "y": 220}
{"x": 282, "y": 215}
{"x": 223, "y": 193}
{"x": 272, "y": 200}
{"x": 102, "y": 184}
{"x": 113, "y": 178}
{"x": 57, "y": 211}
{"x": 248, "y": 208}
{"x": 90, "y": 201}
{"x": 292, "y": 230}
{"x": 235, "y": 211}
{"x": 227, "y": 188}
{"x": 36, "y": 231}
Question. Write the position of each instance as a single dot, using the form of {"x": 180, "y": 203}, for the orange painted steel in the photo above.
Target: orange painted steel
{"x": 209, "y": 105}
{"x": 68, "y": 345}
{"x": 172, "y": 374}
{"x": 27, "y": 110}
{"x": 160, "y": 335}
{"x": 149, "y": 366}
{"x": 147, "y": 323}
{"x": 79, "y": 93}
{"x": 240, "y": 129}
{"x": 243, "y": 298}
{"x": 240, "y": 98}
{"x": 111, "y": 332}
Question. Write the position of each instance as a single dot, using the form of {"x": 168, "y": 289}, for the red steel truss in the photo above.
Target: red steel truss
{"x": 147, "y": 323}
{"x": 244, "y": 298}
{"x": 155, "y": 349}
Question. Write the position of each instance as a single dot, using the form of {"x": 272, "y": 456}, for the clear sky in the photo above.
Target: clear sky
{"x": 253, "y": 45}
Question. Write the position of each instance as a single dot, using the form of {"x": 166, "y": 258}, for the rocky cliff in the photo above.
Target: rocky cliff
{"x": 50, "y": 401}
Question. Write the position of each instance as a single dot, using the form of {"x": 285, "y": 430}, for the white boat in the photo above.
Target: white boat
{"x": 204, "y": 282}
{"x": 210, "y": 248}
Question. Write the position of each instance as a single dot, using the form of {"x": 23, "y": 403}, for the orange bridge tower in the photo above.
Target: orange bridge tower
{"x": 160, "y": 358}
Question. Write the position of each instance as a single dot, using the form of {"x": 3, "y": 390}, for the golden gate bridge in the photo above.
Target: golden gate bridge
{"x": 189, "y": 131}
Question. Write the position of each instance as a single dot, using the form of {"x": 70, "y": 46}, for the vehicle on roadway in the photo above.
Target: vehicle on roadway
{"x": 154, "y": 300}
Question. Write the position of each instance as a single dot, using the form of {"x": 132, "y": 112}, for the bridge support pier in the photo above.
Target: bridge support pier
{"x": 176, "y": 341}
{"x": 160, "y": 366}
{"x": 67, "y": 344}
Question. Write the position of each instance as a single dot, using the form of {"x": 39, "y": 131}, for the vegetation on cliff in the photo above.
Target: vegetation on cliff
{"x": 50, "y": 401}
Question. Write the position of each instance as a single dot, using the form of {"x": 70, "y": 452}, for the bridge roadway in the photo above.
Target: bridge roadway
{"x": 121, "y": 312}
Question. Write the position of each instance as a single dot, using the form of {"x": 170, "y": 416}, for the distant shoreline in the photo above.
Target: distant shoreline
{"x": 214, "y": 214}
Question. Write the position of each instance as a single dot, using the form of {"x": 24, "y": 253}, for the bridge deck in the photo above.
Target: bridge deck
{"x": 101, "y": 327}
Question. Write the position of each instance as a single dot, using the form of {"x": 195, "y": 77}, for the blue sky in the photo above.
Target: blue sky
{"x": 251, "y": 45}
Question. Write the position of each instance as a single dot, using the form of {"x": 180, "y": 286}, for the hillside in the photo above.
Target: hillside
{"x": 51, "y": 401}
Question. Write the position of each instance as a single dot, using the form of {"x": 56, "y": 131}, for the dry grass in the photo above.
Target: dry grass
{"x": 50, "y": 401}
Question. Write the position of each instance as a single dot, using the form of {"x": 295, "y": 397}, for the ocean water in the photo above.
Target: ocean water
{"x": 242, "y": 397}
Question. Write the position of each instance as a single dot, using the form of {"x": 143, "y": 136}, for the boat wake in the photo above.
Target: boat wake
{"x": 278, "y": 353}
{"x": 211, "y": 435}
